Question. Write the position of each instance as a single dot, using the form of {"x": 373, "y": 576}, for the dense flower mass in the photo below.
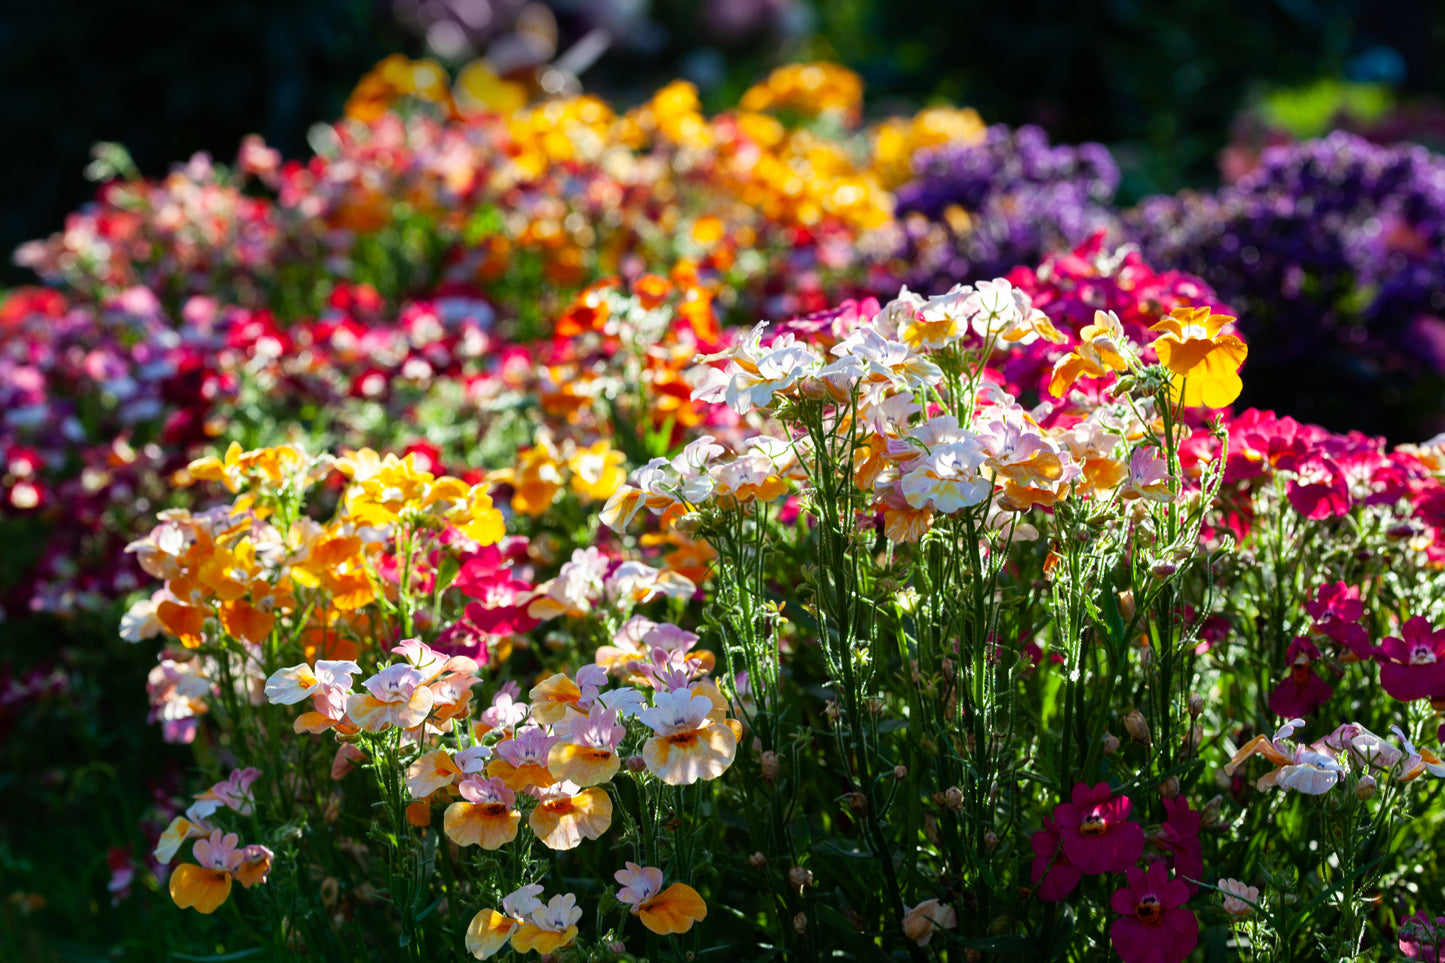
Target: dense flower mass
{"x": 596, "y": 534}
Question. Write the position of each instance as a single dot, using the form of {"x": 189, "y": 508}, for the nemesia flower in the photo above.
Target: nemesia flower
{"x": 1421, "y": 938}
{"x": 505, "y": 712}
{"x": 920, "y": 922}
{"x": 689, "y": 745}
{"x": 1239, "y": 899}
{"x": 490, "y": 930}
{"x": 234, "y": 792}
{"x": 205, "y": 884}
{"x": 1096, "y": 832}
{"x": 328, "y": 685}
{"x": 549, "y": 927}
{"x": 430, "y": 772}
{"x": 1153, "y": 927}
{"x": 588, "y": 755}
{"x": 1148, "y": 476}
{"x": 1204, "y": 361}
{"x": 486, "y": 817}
{"x": 566, "y": 814}
{"x": 395, "y": 696}
{"x": 521, "y": 762}
{"x": 1054, "y": 877}
{"x": 1416, "y": 762}
{"x": 665, "y": 912}
{"x": 1179, "y": 836}
{"x": 1302, "y": 691}
{"x": 1301, "y": 768}
{"x": 1413, "y": 667}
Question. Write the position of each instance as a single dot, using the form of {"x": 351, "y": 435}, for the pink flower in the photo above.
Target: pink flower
{"x": 1053, "y": 875}
{"x": 1152, "y": 927}
{"x": 1302, "y": 691}
{"x": 1097, "y": 834}
{"x": 1321, "y": 490}
{"x": 1337, "y": 612}
{"x": 1413, "y": 667}
{"x": 1420, "y": 939}
{"x": 1179, "y": 835}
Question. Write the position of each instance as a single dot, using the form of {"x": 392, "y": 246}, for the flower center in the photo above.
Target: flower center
{"x": 1149, "y": 911}
{"x": 493, "y": 809}
{"x": 1422, "y": 655}
{"x": 1094, "y": 825}
{"x": 688, "y": 738}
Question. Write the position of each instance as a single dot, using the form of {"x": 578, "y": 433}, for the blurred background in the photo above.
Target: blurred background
{"x": 1172, "y": 87}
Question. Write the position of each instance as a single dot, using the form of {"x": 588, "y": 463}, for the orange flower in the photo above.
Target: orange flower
{"x": 664, "y": 911}
{"x": 689, "y": 745}
{"x": 1204, "y": 361}
{"x": 1102, "y": 349}
{"x": 205, "y": 884}
{"x": 566, "y": 814}
{"x": 486, "y": 818}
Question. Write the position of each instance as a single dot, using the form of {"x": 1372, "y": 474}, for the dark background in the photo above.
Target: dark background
{"x": 1157, "y": 80}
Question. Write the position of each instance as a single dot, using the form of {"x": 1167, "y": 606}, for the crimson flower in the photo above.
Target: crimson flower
{"x": 1053, "y": 875}
{"x": 1302, "y": 691}
{"x": 1152, "y": 927}
{"x": 1097, "y": 834}
{"x": 1413, "y": 667}
{"x": 1179, "y": 836}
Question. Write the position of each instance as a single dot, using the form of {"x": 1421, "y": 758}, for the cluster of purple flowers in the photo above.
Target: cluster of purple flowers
{"x": 1333, "y": 251}
{"x": 979, "y": 210}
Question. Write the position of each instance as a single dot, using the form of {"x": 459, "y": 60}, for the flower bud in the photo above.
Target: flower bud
{"x": 757, "y": 861}
{"x": 1126, "y": 604}
{"x": 1111, "y": 743}
{"x": 1365, "y": 788}
{"x": 857, "y": 803}
{"x": 990, "y": 841}
{"x": 1137, "y": 727}
{"x": 814, "y": 389}
{"x": 900, "y": 773}
{"x": 993, "y": 794}
{"x": 330, "y": 889}
{"x": 800, "y": 924}
{"x": 769, "y": 767}
{"x": 1169, "y": 788}
{"x": 617, "y": 949}
{"x": 636, "y": 764}
{"x": 1162, "y": 570}
{"x": 800, "y": 878}
{"x": 953, "y": 798}
{"x": 1196, "y": 705}
{"x": 1209, "y": 816}
{"x": 930, "y": 829}
{"x": 688, "y": 525}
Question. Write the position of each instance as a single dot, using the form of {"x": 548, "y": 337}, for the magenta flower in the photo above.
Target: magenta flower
{"x": 1053, "y": 875}
{"x": 1302, "y": 691}
{"x": 1421, "y": 939}
{"x": 1097, "y": 834}
{"x": 1413, "y": 667}
{"x": 1321, "y": 490}
{"x": 1179, "y": 836}
{"x": 1337, "y": 612}
{"x": 1153, "y": 928}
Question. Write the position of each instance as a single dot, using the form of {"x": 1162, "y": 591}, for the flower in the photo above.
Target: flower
{"x": 1152, "y": 927}
{"x": 395, "y": 696}
{"x": 486, "y": 817}
{"x": 1301, "y": 768}
{"x": 522, "y": 760}
{"x": 663, "y": 911}
{"x": 1413, "y": 667}
{"x": 1302, "y": 691}
{"x": 1053, "y": 875}
{"x": 549, "y": 928}
{"x": 1421, "y": 939}
{"x": 205, "y": 884}
{"x": 922, "y": 921}
{"x": 566, "y": 814}
{"x": 1179, "y": 835}
{"x": 328, "y": 685}
{"x": 1096, "y": 832}
{"x": 1239, "y": 899}
{"x": 689, "y": 745}
{"x": 588, "y": 756}
{"x": 490, "y": 930}
{"x": 1204, "y": 361}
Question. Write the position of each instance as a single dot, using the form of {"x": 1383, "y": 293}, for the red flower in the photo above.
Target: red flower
{"x": 1302, "y": 691}
{"x": 1097, "y": 834}
{"x": 1153, "y": 928}
{"x": 1179, "y": 836}
{"x": 1058, "y": 875}
{"x": 1413, "y": 667}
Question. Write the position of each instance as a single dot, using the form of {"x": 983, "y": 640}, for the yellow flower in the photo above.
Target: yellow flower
{"x": 597, "y": 470}
{"x": 1204, "y": 361}
{"x": 485, "y": 818}
{"x": 1101, "y": 349}
{"x": 664, "y": 911}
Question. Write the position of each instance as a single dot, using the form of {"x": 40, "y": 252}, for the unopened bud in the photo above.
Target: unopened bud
{"x": 1169, "y": 788}
{"x": 900, "y": 773}
{"x": 947, "y": 666}
{"x": 1111, "y": 743}
{"x": 1126, "y": 604}
{"x": 1365, "y": 788}
{"x": 814, "y": 389}
{"x": 832, "y": 710}
{"x": 1193, "y": 738}
{"x": 1209, "y": 815}
{"x": 1137, "y": 727}
{"x": 930, "y": 829}
{"x": 617, "y": 949}
{"x": 757, "y": 861}
{"x": 1196, "y": 705}
{"x": 875, "y": 706}
{"x": 990, "y": 841}
{"x": 636, "y": 764}
{"x": 800, "y": 878}
{"x": 993, "y": 794}
{"x": 1163, "y": 570}
{"x": 953, "y": 798}
{"x": 800, "y": 923}
{"x": 857, "y": 803}
{"x": 769, "y": 766}
{"x": 687, "y": 525}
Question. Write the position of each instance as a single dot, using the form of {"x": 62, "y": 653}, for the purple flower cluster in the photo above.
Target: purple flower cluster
{"x": 979, "y": 210}
{"x": 1332, "y": 251}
